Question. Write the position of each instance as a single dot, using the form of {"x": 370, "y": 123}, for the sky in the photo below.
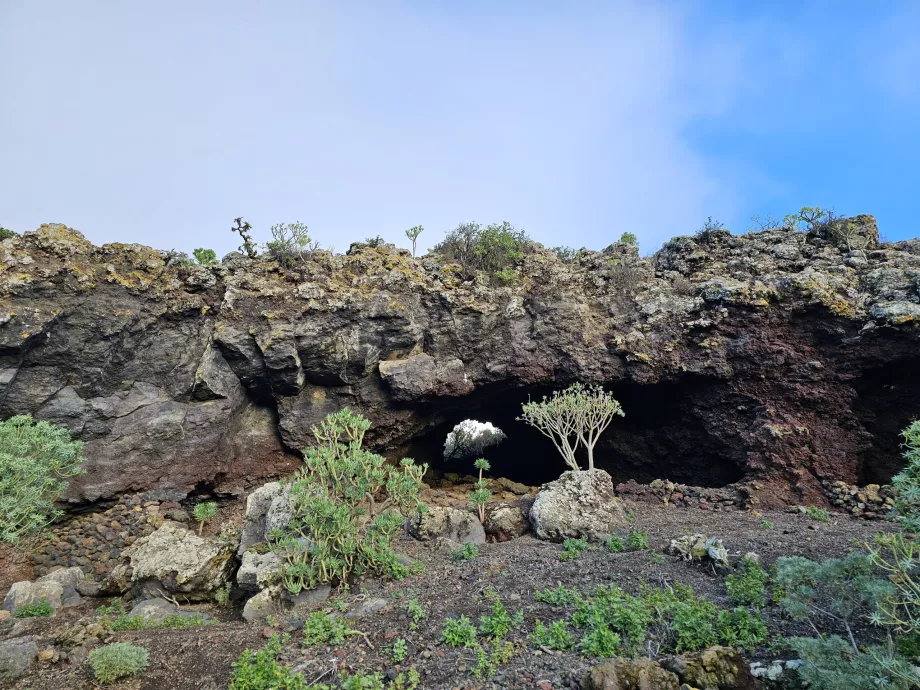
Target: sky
{"x": 161, "y": 122}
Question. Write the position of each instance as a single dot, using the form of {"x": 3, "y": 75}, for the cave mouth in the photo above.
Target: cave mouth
{"x": 662, "y": 436}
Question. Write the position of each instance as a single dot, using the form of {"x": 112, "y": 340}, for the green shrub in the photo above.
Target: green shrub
{"x": 244, "y": 229}
{"x": 374, "y": 242}
{"x": 416, "y": 613}
{"x": 480, "y": 495}
{"x": 126, "y": 622}
{"x": 572, "y": 548}
{"x": 629, "y": 238}
{"x": 489, "y": 249}
{"x": 467, "y": 552}
{"x": 568, "y": 253}
{"x": 36, "y": 459}
{"x": 560, "y": 596}
{"x": 907, "y": 482}
{"x": 832, "y": 664}
{"x": 615, "y": 544}
{"x": 637, "y": 539}
{"x": 399, "y": 651}
{"x": 6, "y": 234}
{"x": 289, "y": 243}
{"x": 818, "y": 514}
{"x": 348, "y": 504}
{"x": 749, "y": 587}
{"x": 261, "y": 670}
{"x": 321, "y": 628}
{"x": 39, "y": 609}
{"x": 203, "y": 512}
{"x": 117, "y": 660}
{"x": 740, "y": 628}
{"x": 766, "y": 524}
{"x": 205, "y": 257}
{"x": 899, "y": 558}
{"x": 709, "y": 229}
{"x": 556, "y": 636}
{"x": 459, "y": 632}
{"x": 498, "y": 622}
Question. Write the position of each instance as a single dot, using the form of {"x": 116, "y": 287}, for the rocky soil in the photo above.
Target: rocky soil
{"x": 771, "y": 361}
{"x": 199, "y": 657}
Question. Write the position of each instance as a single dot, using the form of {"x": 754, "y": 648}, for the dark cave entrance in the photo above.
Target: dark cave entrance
{"x": 663, "y": 436}
{"x": 887, "y": 403}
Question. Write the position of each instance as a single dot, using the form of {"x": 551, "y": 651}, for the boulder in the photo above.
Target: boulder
{"x": 16, "y": 656}
{"x": 578, "y": 504}
{"x": 506, "y": 519}
{"x": 258, "y": 570}
{"x": 697, "y": 547}
{"x": 58, "y": 588}
{"x": 174, "y": 560}
{"x": 261, "y": 606}
{"x": 448, "y": 523}
{"x": 630, "y": 674}
{"x": 715, "y": 668}
{"x": 155, "y": 610}
{"x": 279, "y": 513}
{"x": 257, "y": 505}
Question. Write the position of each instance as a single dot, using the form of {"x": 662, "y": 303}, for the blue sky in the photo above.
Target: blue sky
{"x": 160, "y": 122}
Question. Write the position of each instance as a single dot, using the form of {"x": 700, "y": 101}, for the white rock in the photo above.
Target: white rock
{"x": 578, "y": 504}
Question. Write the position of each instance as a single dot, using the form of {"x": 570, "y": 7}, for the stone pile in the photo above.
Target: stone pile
{"x": 684, "y": 496}
{"x": 94, "y": 542}
{"x": 872, "y": 502}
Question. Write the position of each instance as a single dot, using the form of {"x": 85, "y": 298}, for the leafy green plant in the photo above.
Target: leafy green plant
{"x": 637, "y": 539}
{"x": 205, "y": 257}
{"x": 399, "y": 651}
{"x": 321, "y": 628}
{"x": 498, "y": 622}
{"x": 117, "y": 660}
{"x": 459, "y": 632}
{"x": 489, "y": 249}
{"x": 899, "y": 558}
{"x": 126, "y": 622}
{"x": 568, "y": 253}
{"x": 749, "y": 586}
{"x": 38, "y": 609}
{"x": 575, "y": 416}
{"x": 375, "y": 241}
{"x": 709, "y": 229}
{"x": 289, "y": 243}
{"x": 831, "y": 663}
{"x": 629, "y": 238}
{"x": 487, "y": 664}
{"x": 261, "y": 670}
{"x": 6, "y": 234}
{"x": 203, "y": 512}
{"x": 408, "y": 680}
{"x": 614, "y": 544}
{"x": 467, "y": 552}
{"x": 222, "y": 595}
{"x": 560, "y": 596}
{"x": 480, "y": 495}
{"x": 244, "y": 229}
{"x": 36, "y": 459}
{"x": 740, "y": 628}
{"x": 907, "y": 482}
{"x": 556, "y": 636}
{"x": 572, "y": 548}
{"x": 818, "y": 514}
{"x": 115, "y": 607}
{"x": 766, "y": 524}
{"x": 506, "y": 276}
{"x": 416, "y": 613}
{"x": 347, "y": 504}
{"x": 413, "y": 233}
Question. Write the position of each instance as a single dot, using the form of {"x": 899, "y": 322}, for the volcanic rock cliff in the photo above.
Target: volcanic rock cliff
{"x": 775, "y": 359}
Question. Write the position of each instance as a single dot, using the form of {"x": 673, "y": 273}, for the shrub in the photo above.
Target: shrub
{"x": 833, "y": 664}
{"x": 6, "y": 234}
{"x": 709, "y": 229}
{"x": 205, "y": 257}
{"x": 416, "y": 613}
{"x": 467, "y": 552}
{"x": 811, "y": 216}
{"x": 907, "y": 481}
{"x": 413, "y": 233}
{"x": 572, "y": 548}
{"x": 567, "y": 253}
{"x": 126, "y": 622}
{"x": 36, "y": 459}
{"x": 577, "y": 415}
{"x": 556, "y": 636}
{"x": 740, "y": 628}
{"x": 818, "y": 514}
{"x": 470, "y": 438}
{"x": 637, "y": 539}
{"x": 766, "y": 524}
{"x": 899, "y": 559}
{"x": 629, "y": 238}
{"x": 244, "y": 229}
{"x": 399, "y": 651}
{"x": 748, "y": 588}
{"x": 615, "y": 544}
{"x": 321, "y": 628}
{"x": 374, "y": 242}
{"x": 38, "y": 609}
{"x": 204, "y": 512}
{"x": 560, "y": 596}
{"x": 261, "y": 670}
{"x": 289, "y": 243}
{"x": 117, "y": 660}
{"x": 488, "y": 250}
{"x": 348, "y": 504}
{"x": 459, "y": 632}
{"x": 480, "y": 495}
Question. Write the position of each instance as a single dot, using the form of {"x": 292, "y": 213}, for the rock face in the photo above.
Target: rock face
{"x": 173, "y": 560}
{"x": 17, "y": 655}
{"x": 778, "y": 357}
{"x": 452, "y": 524}
{"x": 59, "y": 588}
{"x": 630, "y": 674}
{"x": 578, "y": 504}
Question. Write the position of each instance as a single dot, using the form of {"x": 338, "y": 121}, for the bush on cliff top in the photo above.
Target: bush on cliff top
{"x": 36, "y": 459}
{"x": 491, "y": 250}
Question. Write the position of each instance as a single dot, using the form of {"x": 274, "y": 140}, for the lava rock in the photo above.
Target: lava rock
{"x": 578, "y": 504}
{"x": 448, "y": 523}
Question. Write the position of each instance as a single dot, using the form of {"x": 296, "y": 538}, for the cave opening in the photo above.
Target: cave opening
{"x": 662, "y": 436}
{"x": 887, "y": 403}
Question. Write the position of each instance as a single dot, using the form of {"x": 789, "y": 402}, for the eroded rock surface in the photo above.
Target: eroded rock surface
{"x": 785, "y": 359}
{"x": 578, "y": 504}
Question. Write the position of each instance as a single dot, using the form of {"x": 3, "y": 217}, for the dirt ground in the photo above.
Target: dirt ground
{"x": 200, "y": 658}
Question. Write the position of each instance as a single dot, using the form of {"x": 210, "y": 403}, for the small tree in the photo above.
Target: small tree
{"x": 470, "y": 438}
{"x": 629, "y": 238}
{"x": 5, "y": 234}
{"x": 347, "y": 504}
{"x": 413, "y": 233}
{"x": 907, "y": 481}
{"x": 480, "y": 495}
{"x": 203, "y": 512}
{"x": 36, "y": 459}
{"x": 289, "y": 242}
{"x": 577, "y": 415}
{"x": 244, "y": 229}
{"x": 205, "y": 257}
